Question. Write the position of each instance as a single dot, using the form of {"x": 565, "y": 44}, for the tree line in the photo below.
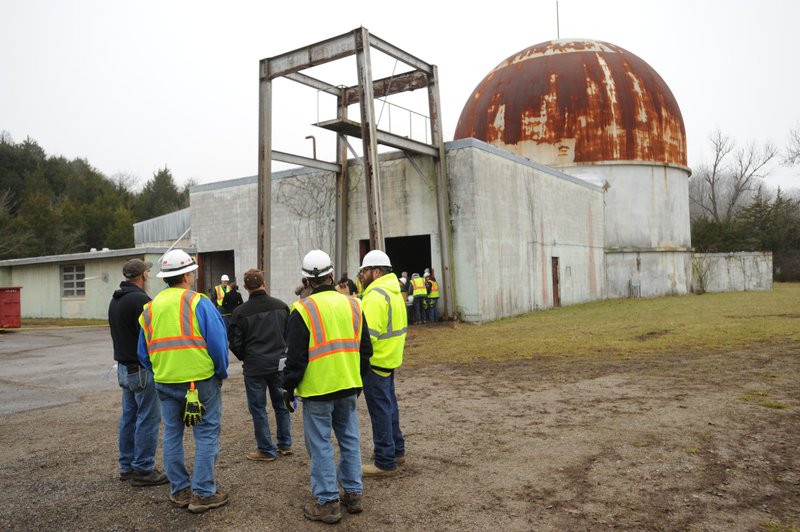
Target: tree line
{"x": 52, "y": 205}
{"x": 732, "y": 209}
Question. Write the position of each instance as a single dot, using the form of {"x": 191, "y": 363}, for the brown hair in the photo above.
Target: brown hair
{"x": 253, "y": 279}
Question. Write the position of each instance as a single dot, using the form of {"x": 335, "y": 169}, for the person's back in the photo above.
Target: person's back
{"x": 141, "y": 409}
{"x": 257, "y": 336}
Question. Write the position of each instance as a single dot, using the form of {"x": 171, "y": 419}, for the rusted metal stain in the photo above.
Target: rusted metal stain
{"x": 567, "y": 102}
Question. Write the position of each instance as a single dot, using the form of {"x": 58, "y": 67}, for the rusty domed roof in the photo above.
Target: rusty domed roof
{"x": 576, "y": 102}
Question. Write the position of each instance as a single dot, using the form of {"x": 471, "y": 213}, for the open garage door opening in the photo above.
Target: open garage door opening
{"x": 410, "y": 254}
{"x": 212, "y": 266}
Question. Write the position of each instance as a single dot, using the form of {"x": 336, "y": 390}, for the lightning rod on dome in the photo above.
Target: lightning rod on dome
{"x": 558, "y": 28}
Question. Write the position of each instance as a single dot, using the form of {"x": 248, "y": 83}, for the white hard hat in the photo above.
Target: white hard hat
{"x": 176, "y": 262}
{"x": 317, "y": 263}
{"x": 224, "y": 277}
{"x": 376, "y": 258}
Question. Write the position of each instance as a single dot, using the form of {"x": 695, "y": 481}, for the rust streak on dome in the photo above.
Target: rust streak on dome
{"x": 573, "y": 102}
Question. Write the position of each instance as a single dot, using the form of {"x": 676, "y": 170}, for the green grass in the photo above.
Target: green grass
{"x": 37, "y": 323}
{"x": 620, "y": 328}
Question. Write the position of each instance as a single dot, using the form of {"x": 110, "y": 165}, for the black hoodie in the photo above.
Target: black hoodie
{"x": 123, "y": 319}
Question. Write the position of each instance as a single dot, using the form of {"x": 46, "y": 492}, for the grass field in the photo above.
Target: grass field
{"x": 620, "y": 328}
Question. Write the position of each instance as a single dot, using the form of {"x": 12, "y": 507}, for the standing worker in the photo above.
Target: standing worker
{"x": 433, "y": 299}
{"x": 141, "y": 409}
{"x": 385, "y": 311}
{"x": 329, "y": 350}
{"x": 220, "y": 290}
{"x": 183, "y": 339}
{"x": 257, "y": 336}
{"x": 420, "y": 292}
{"x": 230, "y": 301}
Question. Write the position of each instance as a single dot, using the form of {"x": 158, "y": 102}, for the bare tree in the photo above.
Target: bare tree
{"x": 792, "y": 155}
{"x": 718, "y": 190}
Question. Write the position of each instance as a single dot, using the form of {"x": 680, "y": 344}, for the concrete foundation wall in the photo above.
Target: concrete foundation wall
{"x": 731, "y": 272}
{"x": 655, "y": 273}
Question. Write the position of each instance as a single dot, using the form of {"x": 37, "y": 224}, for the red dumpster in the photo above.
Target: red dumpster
{"x": 9, "y": 307}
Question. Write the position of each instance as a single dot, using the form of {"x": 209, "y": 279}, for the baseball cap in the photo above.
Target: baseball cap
{"x": 135, "y": 267}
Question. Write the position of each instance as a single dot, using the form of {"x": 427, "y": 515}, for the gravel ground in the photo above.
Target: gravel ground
{"x": 683, "y": 441}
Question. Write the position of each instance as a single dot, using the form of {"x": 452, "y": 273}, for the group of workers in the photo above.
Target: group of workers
{"x": 172, "y": 355}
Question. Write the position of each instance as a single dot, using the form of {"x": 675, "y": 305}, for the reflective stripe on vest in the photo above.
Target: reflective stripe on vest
{"x": 221, "y": 290}
{"x": 385, "y": 311}
{"x": 334, "y": 324}
{"x": 418, "y": 284}
{"x": 434, "y": 290}
{"x": 175, "y": 345}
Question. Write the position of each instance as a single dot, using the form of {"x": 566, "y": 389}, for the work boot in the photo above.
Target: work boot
{"x": 371, "y": 470}
{"x": 199, "y": 504}
{"x": 260, "y": 457}
{"x": 182, "y": 498}
{"x": 141, "y": 479}
{"x": 330, "y": 512}
{"x": 125, "y": 475}
{"x": 285, "y": 451}
{"x": 352, "y": 502}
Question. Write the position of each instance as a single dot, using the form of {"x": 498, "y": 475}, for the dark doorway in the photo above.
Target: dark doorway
{"x": 212, "y": 266}
{"x": 411, "y": 254}
{"x": 556, "y": 283}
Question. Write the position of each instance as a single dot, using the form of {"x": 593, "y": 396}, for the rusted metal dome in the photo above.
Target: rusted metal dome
{"x": 571, "y": 102}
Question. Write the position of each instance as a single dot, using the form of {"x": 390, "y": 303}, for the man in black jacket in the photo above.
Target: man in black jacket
{"x": 141, "y": 409}
{"x": 257, "y": 336}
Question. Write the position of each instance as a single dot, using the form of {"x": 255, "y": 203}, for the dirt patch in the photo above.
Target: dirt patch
{"x": 558, "y": 443}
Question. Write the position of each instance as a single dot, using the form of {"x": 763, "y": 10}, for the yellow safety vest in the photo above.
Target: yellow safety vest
{"x": 418, "y": 285}
{"x": 387, "y": 320}
{"x": 334, "y": 360}
{"x": 176, "y": 347}
{"x": 221, "y": 290}
{"x": 434, "y": 291}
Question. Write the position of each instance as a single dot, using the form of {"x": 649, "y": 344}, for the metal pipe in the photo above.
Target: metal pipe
{"x": 313, "y": 145}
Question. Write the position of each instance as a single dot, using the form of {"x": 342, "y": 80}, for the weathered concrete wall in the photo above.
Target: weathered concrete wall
{"x": 510, "y": 218}
{"x": 224, "y": 217}
{"x": 655, "y": 273}
{"x": 647, "y": 205}
{"x": 731, "y": 272}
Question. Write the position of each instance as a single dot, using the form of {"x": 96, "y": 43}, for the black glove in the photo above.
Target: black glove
{"x": 289, "y": 400}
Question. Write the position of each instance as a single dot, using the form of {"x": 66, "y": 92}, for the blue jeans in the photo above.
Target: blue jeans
{"x": 256, "y": 389}
{"x": 138, "y": 424}
{"x": 385, "y": 417}
{"x": 420, "y": 303}
{"x": 432, "y": 314}
{"x": 206, "y": 435}
{"x": 319, "y": 417}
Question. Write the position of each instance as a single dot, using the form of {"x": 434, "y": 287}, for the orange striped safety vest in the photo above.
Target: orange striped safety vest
{"x": 334, "y": 323}
{"x": 176, "y": 347}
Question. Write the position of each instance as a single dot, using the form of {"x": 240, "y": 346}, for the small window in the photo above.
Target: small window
{"x": 73, "y": 280}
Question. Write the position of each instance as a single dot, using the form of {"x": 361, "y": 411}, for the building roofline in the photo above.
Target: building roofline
{"x": 90, "y": 255}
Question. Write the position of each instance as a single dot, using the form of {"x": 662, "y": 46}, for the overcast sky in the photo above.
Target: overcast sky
{"x": 134, "y": 86}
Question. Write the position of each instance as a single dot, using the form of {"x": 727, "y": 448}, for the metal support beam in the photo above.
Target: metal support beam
{"x": 264, "y": 170}
{"x": 408, "y": 81}
{"x": 342, "y": 189}
{"x": 397, "y": 53}
{"x": 369, "y": 139}
{"x": 299, "y": 160}
{"x": 442, "y": 198}
{"x": 314, "y": 83}
{"x": 312, "y": 55}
